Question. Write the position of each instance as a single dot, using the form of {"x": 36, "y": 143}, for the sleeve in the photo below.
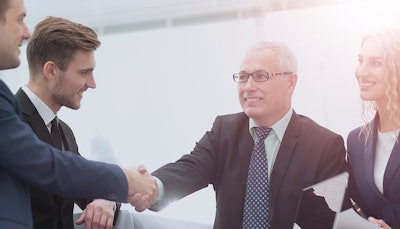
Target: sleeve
{"x": 190, "y": 173}
{"x": 34, "y": 162}
{"x": 116, "y": 212}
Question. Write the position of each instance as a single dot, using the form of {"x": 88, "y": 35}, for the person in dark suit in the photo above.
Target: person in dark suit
{"x": 61, "y": 62}
{"x": 27, "y": 161}
{"x": 374, "y": 148}
{"x": 300, "y": 152}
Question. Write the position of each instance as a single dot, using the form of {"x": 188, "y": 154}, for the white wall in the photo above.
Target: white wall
{"x": 171, "y": 83}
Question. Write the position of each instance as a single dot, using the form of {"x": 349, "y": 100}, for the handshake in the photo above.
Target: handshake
{"x": 142, "y": 188}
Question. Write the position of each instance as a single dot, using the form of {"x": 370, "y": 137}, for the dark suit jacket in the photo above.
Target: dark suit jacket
{"x": 362, "y": 186}
{"x": 308, "y": 154}
{"x": 25, "y": 160}
{"x": 50, "y": 211}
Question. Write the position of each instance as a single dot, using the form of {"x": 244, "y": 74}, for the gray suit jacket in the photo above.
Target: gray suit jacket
{"x": 308, "y": 154}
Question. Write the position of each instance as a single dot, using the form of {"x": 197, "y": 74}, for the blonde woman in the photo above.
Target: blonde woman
{"x": 374, "y": 148}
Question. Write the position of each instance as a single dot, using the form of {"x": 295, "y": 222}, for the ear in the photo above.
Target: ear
{"x": 50, "y": 70}
{"x": 292, "y": 82}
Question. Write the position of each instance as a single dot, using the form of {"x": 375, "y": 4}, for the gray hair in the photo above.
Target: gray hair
{"x": 287, "y": 59}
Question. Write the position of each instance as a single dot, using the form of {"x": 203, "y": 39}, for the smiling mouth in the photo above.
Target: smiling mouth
{"x": 252, "y": 99}
{"x": 366, "y": 85}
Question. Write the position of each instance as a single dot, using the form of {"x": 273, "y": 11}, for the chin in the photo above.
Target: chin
{"x": 367, "y": 98}
{"x": 14, "y": 64}
{"x": 250, "y": 113}
{"x": 75, "y": 106}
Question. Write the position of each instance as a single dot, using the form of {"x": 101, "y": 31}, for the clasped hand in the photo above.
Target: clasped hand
{"x": 143, "y": 189}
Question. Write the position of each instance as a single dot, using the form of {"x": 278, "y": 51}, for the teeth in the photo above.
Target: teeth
{"x": 253, "y": 99}
{"x": 366, "y": 84}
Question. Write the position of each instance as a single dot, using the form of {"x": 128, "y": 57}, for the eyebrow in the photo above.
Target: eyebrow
{"x": 370, "y": 57}
{"x": 86, "y": 69}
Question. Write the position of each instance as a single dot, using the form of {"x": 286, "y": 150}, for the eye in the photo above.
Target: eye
{"x": 243, "y": 76}
{"x": 86, "y": 72}
{"x": 360, "y": 61}
{"x": 260, "y": 76}
{"x": 376, "y": 63}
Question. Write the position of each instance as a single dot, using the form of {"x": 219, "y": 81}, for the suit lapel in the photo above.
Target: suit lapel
{"x": 38, "y": 126}
{"x": 369, "y": 158}
{"x": 67, "y": 140}
{"x": 283, "y": 159}
{"x": 245, "y": 149}
{"x": 32, "y": 117}
{"x": 392, "y": 166}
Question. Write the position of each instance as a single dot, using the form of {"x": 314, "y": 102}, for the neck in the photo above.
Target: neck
{"x": 44, "y": 95}
{"x": 386, "y": 123}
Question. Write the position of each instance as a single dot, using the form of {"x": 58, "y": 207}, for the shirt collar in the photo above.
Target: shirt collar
{"x": 278, "y": 128}
{"x": 44, "y": 111}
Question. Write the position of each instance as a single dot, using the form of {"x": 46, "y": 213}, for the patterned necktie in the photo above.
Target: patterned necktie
{"x": 56, "y": 134}
{"x": 256, "y": 207}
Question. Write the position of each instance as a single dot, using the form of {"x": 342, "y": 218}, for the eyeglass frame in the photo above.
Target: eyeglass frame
{"x": 269, "y": 76}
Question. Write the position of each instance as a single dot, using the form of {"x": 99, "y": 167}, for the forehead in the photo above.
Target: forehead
{"x": 82, "y": 59}
{"x": 15, "y": 8}
{"x": 264, "y": 59}
{"x": 371, "y": 48}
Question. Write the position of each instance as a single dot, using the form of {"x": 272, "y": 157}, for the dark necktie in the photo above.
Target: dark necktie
{"x": 56, "y": 134}
{"x": 256, "y": 209}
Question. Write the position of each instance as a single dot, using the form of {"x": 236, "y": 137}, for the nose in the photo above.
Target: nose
{"x": 250, "y": 83}
{"x": 91, "y": 83}
{"x": 25, "y": 32}
{"x": 361, "y": 70}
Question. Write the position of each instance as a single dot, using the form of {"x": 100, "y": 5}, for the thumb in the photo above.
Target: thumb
{"x": 81, "y": 219}
{"x": 141, "y": 169}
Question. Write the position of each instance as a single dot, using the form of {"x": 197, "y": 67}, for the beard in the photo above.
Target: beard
{"x": 62, "y": 97}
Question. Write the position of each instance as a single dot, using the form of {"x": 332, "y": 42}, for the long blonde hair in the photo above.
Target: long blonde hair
{"x": 389, "y": 41}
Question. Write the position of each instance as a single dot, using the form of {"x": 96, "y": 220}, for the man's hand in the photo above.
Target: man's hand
{"x": 143, "y": 190}
{"x": 99, "y": 214}
{"x": 380, "y": 223}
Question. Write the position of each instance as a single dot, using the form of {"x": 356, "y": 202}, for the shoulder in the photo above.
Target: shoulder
{"x": 232, "y": 120}
{"x": 6, "y": 95}
{"x": 355, "y": 140}
{"x": 232, "y": 117}
{"x": 354, "y": 133}
{"x": 307, "y": 124}
{"x": 230, "y": 123}
{"x": 65, "y": 126}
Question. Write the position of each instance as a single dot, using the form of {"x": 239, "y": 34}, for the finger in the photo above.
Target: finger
{"x": 89, "y": 218}
{"x": 143, "y": 204}
{"x": 141, "y": 168}
{"x": 109, "y": 223}
{"x": 81, "y": 219}
{"x": 134, "y": 199}
{"x": 102, "y": 222}
{"x": 141, "y": 207}
{"x": 96, "y": 221}
{"x": 379, "y": 223}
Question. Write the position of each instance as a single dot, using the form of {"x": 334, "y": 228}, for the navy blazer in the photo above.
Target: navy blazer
{"x": 51, "y": 211}
{"x": 362, "y": 188}
{"x": 308, "y": 154}
{"x": 25, "y": 160}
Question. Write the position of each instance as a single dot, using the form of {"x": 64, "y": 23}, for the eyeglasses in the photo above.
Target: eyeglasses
{"x": 258, "y": 76}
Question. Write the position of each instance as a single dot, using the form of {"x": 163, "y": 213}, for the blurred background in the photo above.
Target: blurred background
{"x": 164, "y": 70}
